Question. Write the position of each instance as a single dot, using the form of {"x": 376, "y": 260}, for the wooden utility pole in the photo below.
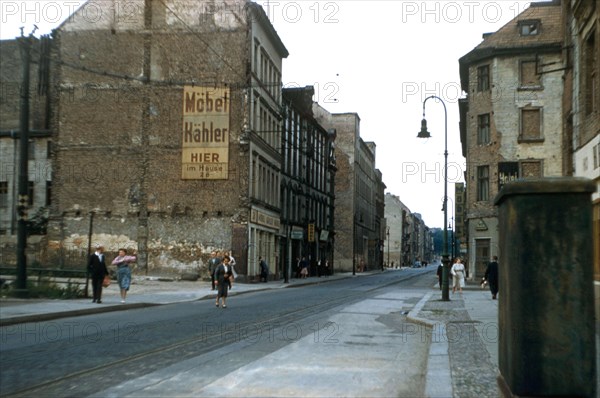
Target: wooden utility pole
{"x": 23, "y": 186}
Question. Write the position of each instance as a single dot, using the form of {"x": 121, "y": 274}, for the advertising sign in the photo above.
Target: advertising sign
{"x": 205, "y": 143}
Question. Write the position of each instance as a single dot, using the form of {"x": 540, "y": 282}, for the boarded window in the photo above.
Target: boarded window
{"x": 531, "y": 169}
{"x": 529, "y": 77}
{"x": 531, "y": 124}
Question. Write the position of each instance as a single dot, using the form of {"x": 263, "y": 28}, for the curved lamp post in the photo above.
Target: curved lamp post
{"x": 425, "y": 134}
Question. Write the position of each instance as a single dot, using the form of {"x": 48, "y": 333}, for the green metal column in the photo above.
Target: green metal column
{"x": 546, "y": 297}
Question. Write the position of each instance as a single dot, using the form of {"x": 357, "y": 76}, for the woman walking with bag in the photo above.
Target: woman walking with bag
{"x": 122, "y": 262}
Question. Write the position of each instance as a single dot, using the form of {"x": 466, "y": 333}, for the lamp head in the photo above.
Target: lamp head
{"x": 423, "y": 133}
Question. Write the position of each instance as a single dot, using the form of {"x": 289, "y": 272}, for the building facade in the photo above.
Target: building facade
{"x": 307, "y": 186}
{"x": 397, "y": 234}
{"x": 460, "y": 216}
{"x": 511, "y": 119}
{"x": 202, "y": 151}
{"x": 167, "y": 134}
{"x": 581, "y": 122}
{"x": 39, "y": 144}
{"x": 358, "y": 225}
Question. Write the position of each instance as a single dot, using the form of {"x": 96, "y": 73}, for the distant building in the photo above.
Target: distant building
{"x": 359, "y": 234}
{"x": 511, "y": 120}
{"x": 396, "y": 214}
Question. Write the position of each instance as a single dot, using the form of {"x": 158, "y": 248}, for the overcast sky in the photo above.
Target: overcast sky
{"x": 380, "y": 59}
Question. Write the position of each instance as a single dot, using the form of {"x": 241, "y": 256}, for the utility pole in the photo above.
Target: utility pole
{"x": 23, "y": 198}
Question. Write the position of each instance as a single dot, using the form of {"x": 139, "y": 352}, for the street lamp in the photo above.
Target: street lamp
{"x": 451, "y": 228}
{"x": 425, "y": 134}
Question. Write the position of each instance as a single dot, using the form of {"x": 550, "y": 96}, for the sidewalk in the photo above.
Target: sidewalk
{"x": 145, "y": 292}
{"x": 463, "y": 351}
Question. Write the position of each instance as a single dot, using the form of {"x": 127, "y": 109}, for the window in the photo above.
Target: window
{"x": 529, "y": 76}
{"x": 255, "y": 66}
{"x": 531, "y": 169}
{"x": 483, "y": 183}
{"x": 507, "y": 172}
{"x": 531, "y": 124}
{"x": 483, "y": 78}
{"x": 529, "y": 27}
{"x": 30, "y": 193}
{"x": 591, "y": 89}
{"x": 3, "y": 193}
{"x": 31, "y": 150}
{"x": 48, "y": 193}
{"x": 483, "y": 129}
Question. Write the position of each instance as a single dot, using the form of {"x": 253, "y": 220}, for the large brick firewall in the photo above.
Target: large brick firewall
{"x": 119, "y": 139}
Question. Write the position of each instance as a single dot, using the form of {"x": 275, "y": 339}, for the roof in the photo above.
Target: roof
{"x": 508, "y": 40}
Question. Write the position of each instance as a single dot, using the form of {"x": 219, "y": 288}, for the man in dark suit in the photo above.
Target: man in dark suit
{"x": 491, "y": 275}
{"x": 97, "y": 269}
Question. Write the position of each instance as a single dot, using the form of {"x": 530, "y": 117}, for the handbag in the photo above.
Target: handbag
{"x": 106, "y": 281}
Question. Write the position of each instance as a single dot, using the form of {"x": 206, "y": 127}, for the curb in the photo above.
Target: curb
{"x": 438, "y": 382}
{"x": 65, "y": 314}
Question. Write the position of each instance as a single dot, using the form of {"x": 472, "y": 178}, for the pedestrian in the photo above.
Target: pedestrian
{"x": 223, "y": 274}
{"x": 264, "y": 269}
{"x": 123, "y": 263}
{"x": 232, "y": 265}
{"x": 458, "y": 275}
{"x": 97, "y": 269}
{"x": 491, "y": 276}
{"x": 297, "y": 268}
{"x": 213, "y": 263}
{"x": 303, "y": 268}
{"x": 440, "y": 270}
{"x": 327, "y": 269}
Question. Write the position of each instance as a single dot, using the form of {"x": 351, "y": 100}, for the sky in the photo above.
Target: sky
{"x": 378, "y": 58}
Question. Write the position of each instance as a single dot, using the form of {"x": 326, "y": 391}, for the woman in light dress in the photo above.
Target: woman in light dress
{"x": 458, "y": 275}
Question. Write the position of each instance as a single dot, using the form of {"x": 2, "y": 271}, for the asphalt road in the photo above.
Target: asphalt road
{"x": 87, "y": 355}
